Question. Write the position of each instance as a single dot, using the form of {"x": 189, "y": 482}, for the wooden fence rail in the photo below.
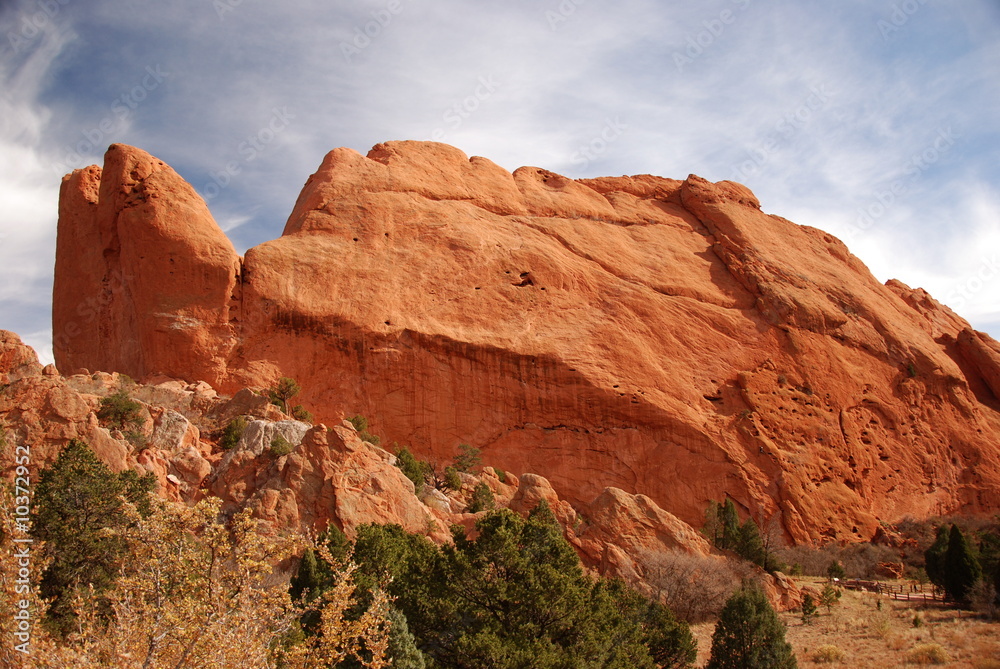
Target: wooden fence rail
{"x": 906, "y": 592}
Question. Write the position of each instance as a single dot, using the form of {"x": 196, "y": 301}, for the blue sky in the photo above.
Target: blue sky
{"x": 878, "y": 121}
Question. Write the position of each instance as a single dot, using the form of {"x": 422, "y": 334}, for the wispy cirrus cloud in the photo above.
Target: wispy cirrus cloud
{"x": 816, "y": 106}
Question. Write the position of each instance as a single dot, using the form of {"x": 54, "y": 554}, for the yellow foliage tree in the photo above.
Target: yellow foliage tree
{"x": 199, "y": 593}
{"x": 21, "y": 567}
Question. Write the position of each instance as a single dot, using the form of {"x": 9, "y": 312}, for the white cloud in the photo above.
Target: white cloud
{"x": 555, "y": 90}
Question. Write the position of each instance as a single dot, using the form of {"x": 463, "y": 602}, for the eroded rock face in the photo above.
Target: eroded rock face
{"x": 146, "y": 280}
{"x": 322, "y": 476}
{"x": 666, "y": 338}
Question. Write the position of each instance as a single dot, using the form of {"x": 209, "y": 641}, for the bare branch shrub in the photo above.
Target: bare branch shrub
{"x": 694, "y": 587}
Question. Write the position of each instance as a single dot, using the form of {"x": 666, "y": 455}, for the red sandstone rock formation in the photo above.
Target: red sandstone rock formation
{"x": 666, "y": 338}
{"x": 330, "y": 476}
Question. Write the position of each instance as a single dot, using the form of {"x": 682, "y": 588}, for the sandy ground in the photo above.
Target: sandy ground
{"x": 869, "y": 637}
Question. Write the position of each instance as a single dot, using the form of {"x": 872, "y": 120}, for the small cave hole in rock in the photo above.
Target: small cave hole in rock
{"x": 525, "y": 280}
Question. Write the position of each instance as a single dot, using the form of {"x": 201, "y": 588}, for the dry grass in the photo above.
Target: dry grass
{"x": 869, "y": 637}
{"x": 828, "y": 653}
{"x": 927, "y": 653}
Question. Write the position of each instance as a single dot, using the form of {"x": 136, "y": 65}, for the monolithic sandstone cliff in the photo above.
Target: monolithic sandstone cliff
{"x": 663, "y": 337}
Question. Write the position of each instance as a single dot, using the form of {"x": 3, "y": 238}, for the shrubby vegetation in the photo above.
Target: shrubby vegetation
{"x": 694, "y": 587}
{"x": 855, "y": 560}
{"x": 360, "y": 424}
{"x": 79, "y": 514}
{"x": 281, "y": 446}
{"x": 516, "y": 596}
{"x": 138, "y": 582}
{"x": 232, "y": 433}
{"x": 281, "y": 392}
{"x": 809, "y": 610}
{"x": 120, "y": 412}
{"x": 749, "y": 635}
{"x": 482, "y": 498}
{"x": 451, "y": 480}
{"x": 723, "y": 529}
{"x": 417, "y": 471}
{"x": 959, "y": 555}
{"x": 953, "y": 565}
{"x": 468, "y": 460}
{"x": 422, "y": 472}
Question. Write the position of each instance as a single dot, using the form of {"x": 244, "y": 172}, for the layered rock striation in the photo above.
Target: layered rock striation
{"x": 666, "y": 338}
{"x": 325, "y": 476}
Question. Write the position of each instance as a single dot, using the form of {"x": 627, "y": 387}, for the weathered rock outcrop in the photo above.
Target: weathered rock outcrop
{"x": 147, "y": 281}
{"x": 322, "y": 477}
{"x": 666, "y": 338}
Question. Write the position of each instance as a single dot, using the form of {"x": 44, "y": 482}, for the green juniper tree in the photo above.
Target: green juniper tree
{"x": 403, "y": 649}
{"x": 360, "y": 424}
{"x": 808, "y": 608}
{"x": 749, "y": 635}
{"x": 417, "y": 471}
{"x": 934, "y": 557}
{"x": 284, "y": 390}
{"x": 468, "y": 460}
{"x": 76, "y": 500}
{"x": 515, "y": 596}
{"x": 482, "y": 498}
{"x": 836, "y": 570}
{"x": 120, "y": 411}
{"x": 961, "y": 567}
{"x": 724, "y": 530}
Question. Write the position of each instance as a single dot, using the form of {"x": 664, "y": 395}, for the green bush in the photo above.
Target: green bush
{"x": 315, "y": 576}
{"x": 280, "y": 446}
{"x": 299, "y": 413}
{"x": 77, "y": 500}
{"x": 808, "y": 608}
{"x": 360, "y": 424}
{"x": 961, "y": 567}
{"x": 723, "y": 529}
{"x": 829, "y": 596}
{"x": 482, "y": 498}
{"x": 284, "y": 390}
{"x": 836, "y": 570}
{"x": 452, "y": 480}
{"x": 501, "y": 474}
{"x": 402, "y": 644}
{"x": 468, "y": 460}
{"x": 119, "y": 411}
{"x": 750, "y": 634}
{"x": 516, "y": 596}
{"x": 417, "y": 471}
{"x": 232, "y": 433}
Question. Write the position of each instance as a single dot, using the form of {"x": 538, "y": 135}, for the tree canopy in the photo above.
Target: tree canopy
{"x": 515, "y": 596}
{"x": 749, "y": 635}
{"x": 78, "y": 504}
